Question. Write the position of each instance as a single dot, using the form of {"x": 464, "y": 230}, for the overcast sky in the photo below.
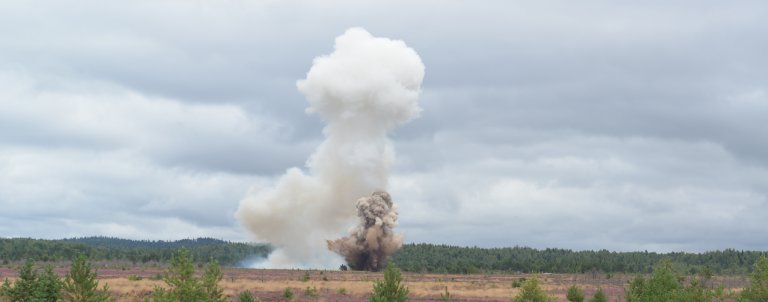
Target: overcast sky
{"x": 620, "y": 125}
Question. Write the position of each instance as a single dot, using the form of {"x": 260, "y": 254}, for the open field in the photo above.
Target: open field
{"x": 269, "y": 285}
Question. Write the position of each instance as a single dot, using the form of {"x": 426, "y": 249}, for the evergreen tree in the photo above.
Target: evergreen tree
{"x": 391, "y": 289}
{"x": 24, "y": 288}
{"x": 32, "y": 286}
{"x": 246, "y": 296}
{"x": 180, "y": 277}
{"x": 575, "y": 294}
{"x": 48, "y": 287}
{"x": 758, "y": 287}
{"x": 210, "y": 282}
{"x": 81, "y": 285}
{"x": 532, "y": 292}
{"x": 599, "y": 296}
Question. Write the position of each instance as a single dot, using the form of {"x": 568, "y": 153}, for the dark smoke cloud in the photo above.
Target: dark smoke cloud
{"x": 372, "y": 241}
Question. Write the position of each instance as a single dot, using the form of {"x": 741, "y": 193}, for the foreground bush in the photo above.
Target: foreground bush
{"x": 575, "y": 294}
{"x": 665, "y": 285}
{"x": 599, "y": 296}
{"x": 758, "y": 287}
{"x": 391, "y": 289}
{"x": 33, "y": 285}
{"x": 81, "y": 285}
{"x": 184, "y": 286}
{"x": 530, "y": 291}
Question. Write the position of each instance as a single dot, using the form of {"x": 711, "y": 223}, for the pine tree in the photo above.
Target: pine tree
{"x": 81, "y": 285}
{"x": 180, "y": 277}
{"x": 391, "y": 289}
{"x": 210, "y": 282}
{"x": 532, "y": 292}
{"x": 575, "y": 294}
{"x": 49, "y": 285}
{"x": 23, "y": 289}
{"x": 758, "y": 288}
{"x": 246, "y": 296}
{"x": 599, "y": 296}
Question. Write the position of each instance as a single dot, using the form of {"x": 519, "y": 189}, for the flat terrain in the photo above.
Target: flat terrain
{"x": 269, "y": 285}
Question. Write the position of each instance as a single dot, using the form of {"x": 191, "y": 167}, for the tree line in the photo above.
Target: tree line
{"x": 412, "y": 257}
{"x": 433, "y": 258}
{"x": 136, "y": 251}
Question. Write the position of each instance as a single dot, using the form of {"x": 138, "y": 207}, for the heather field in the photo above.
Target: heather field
{"x": 132, "y": 283}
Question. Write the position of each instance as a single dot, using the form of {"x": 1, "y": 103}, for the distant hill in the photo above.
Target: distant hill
{"x": 137, "y": 251}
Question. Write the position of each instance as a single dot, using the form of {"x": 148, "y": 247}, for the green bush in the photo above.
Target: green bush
{"x": 32, "y": 285}
{"x": 288, "y": 293}
{"x": 311, "y": 292}
{"x": 530, "y": 291}
{"x": 517, "y": 283}
{"x": 185, "y": 286}
{"x": 81, "y": 284}
{"x": 446, "y": 296}
{"x": 599, "y": 296}
{"x": 391, "y": 289}
{"x": 134, "y": 278}
{"x": 758, "y": 287}
{"x": 575, "y": 294}
{"x": 665, "y": 285}
{"x": 246, "y": 296}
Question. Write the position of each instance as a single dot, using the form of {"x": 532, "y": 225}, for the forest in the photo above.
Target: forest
{"x": 136, "y": 251}
{"x": 420, "y": 257}
{"x": 454, "y": 259}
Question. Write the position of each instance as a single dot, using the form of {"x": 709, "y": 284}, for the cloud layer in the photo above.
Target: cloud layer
{"x": 561, "y": 124}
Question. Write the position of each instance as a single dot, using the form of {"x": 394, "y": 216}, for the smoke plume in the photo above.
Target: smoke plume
{"x": 362, "y": 90}
{"x": 372, "y": 241}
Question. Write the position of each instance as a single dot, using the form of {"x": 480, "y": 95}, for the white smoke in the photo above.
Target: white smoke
{"x": 362, "y": 90}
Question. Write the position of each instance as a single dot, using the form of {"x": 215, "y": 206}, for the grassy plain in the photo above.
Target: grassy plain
{"x": 135, "y": 283}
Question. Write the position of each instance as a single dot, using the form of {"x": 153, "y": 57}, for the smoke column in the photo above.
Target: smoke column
{"x": 370, "y": 243}
{"x": 363, "y": 90}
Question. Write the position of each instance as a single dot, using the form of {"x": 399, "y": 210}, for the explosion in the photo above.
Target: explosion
{"x": 372, "y": 241}
{"x": 365, "y": 88}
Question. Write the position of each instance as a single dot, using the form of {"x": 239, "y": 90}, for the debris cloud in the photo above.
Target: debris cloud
{"x": 372, "y": 241}
{"x": 365, "y": 88}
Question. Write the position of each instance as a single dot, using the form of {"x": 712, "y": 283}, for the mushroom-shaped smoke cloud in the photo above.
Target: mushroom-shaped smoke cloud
{"x": 362, "y": 90}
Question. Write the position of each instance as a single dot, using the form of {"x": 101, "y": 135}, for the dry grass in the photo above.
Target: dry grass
{"x": 269, "y": 285}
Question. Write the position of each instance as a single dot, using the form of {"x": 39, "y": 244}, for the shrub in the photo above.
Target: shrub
{"x": 246, "y": 296}
{"x": 517, "y": 283}
{"x": 599, "y": 296}
{"x": 575, "y": 294}
{"x": 288, "y": 293}
{"x": 391, "y": 289}
{"x": 446, "y": 296}
{"x": 81, "y": 284}
{"x": 210, "y": 282}
{"x": 531, "y": 292}
{"x": 758, "y": 287}
{"x": 33, "y": 286}
{"x": 134, "y": 278}
{"x": 185, "y": 286}
{"x": 311, "y": 292}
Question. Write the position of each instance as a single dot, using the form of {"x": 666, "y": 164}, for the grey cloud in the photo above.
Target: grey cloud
{"x": 639, "y": 117}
